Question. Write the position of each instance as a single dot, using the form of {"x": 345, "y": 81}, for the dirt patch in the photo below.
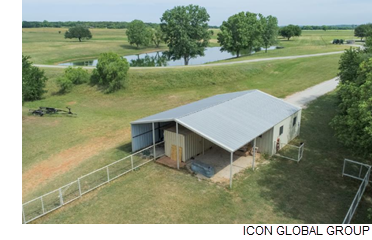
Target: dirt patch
{"x": 68, "y": 159}
{"x": 71, "y": 103}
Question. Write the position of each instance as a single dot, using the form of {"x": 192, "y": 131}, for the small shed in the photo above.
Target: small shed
{"x": 232, "y": 121}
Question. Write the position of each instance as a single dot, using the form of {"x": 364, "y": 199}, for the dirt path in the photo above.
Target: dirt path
{"x": 68, "y": 159}
{"x": 302, "y": 98}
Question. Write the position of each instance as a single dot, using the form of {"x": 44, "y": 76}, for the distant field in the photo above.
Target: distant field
{"x": 309, "y": 42}
{"x": 47, "y": 46}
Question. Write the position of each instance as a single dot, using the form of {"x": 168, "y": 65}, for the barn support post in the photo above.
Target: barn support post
{"x": 203, "y": 146}
{"x": 254, "y": 153}
{"x": 231, "y": 162}
{"x": 177, "y": 148}
{"x": 153, "y": 139}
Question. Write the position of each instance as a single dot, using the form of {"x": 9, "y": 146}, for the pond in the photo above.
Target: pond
{"x": 160, "y": 59}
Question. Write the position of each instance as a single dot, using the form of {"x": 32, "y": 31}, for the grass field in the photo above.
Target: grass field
{"x": 47, "y": 46}
{"x": 57, "y": 150}
{"x": 309, "y": 42}
{"x": 100, "y": 134}
{"x": 281, "y": 191}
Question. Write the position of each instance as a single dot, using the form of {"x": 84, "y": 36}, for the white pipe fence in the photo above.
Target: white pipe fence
{"x": 361, "y": 172}
{"x": 55, "y": 199}
{"x": 289, "y": 151}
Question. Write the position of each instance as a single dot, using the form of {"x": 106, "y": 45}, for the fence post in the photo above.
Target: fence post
{"x": 343, "y": 169}
{"x": 360, "y": 171}
{"x": 299, "y": 154}
{"x": 42, "y": 204}
{"x": 60, "y": 197}
{"x": 79, "y": 187}
{"x": 23, "y": 213}
{"x": 108, "y": 174}
{"x": 131, "y": 160}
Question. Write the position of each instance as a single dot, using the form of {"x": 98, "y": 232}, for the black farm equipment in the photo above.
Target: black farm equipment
{"x": 49, "y": 110}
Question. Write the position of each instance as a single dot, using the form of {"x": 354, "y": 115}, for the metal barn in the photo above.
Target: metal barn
{"x": 234, "y": 122}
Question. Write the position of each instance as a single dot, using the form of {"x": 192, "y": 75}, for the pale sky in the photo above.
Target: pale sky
{"x": 300, "y": 12}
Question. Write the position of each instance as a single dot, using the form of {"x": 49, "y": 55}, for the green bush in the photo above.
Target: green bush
{"x": 65, "y": 84}
{"x": 71, "y": 77}
{"x": 111, "y": 72}
{"x": 77, "y": 75}
{"x": 33, "y": 81}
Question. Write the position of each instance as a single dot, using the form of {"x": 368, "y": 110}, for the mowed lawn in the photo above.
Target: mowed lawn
{"x": 48, "y": 46}
{"x": 310, "y": 42}
{"x": 280, "y": 191}
{"x": 57, "y": 150}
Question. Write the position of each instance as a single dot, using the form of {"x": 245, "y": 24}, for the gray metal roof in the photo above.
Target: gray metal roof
{"x": 229, "y": 120}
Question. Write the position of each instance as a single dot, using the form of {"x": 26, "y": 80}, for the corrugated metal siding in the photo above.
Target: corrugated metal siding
{"x": 265, "y": 143}
{"x": 142, "y": 134}
{"x": 191, "y": 143}
{"x": 289, "y": 131}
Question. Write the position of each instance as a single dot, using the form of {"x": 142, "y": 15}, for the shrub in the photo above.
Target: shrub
{"x": 65, "y": 84}
{"x": 71, "y": 77}
{"x": 111, "y": 72}
{"x": 77, "y": 75}
{"x": 33, "y": 81}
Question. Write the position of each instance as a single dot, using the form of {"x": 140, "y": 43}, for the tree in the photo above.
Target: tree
{"x": 270, "y": 27}
{"x": 138, "y": 33}
{"x": 241, "y": 31}
{"x": 185, "y": 31}
{"x": 33, "y": 81}
{"x": 362, "y": 30}
{"x": 157, "y": 36}
{"x": 324, "y": 27}
{"x": 353, "y": 122}
{"x": 72, "y": 76}
{"x": 290, "y": 31}
{"x": 111, "y": 72}
{"x": 79, "y": 32}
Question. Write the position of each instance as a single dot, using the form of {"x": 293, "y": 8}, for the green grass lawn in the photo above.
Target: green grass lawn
{"x": 99, "y": 135}
{"x": 281, "y": 191}
{"x": 310, "y": 42}
{"x": 47, "y": 46}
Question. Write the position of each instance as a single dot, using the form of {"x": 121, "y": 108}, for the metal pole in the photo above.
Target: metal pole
{"x": 231, "y": 162}
{"x": 131, "y": 160}
{"x": 108, "y": 174}
{"x": 254, "y": 152}
{"x": 42, "y": 204}
{"x": 360, "y": 171}
{"x": 60, "y": 197}
{"x": 153, "y": 139}
{"x": 23, "y": 213}
{"x": 203, "y": 146}
{"x": 79, "y": 186}
{"x": 343, "y": 169}
{"x": 178, "y": 163}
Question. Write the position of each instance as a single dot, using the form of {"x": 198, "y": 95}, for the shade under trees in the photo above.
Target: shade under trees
{"x": 241, "y": 31}
{"x": 33, "y": 81}
{"x": 363, "y": 30}
{"x": 78, "y": 32}
{"x": 185, "y": 31}
{"x": 138, "y": 33}
{"x": 270, "y": 28}
{"x": 290, "y": 31}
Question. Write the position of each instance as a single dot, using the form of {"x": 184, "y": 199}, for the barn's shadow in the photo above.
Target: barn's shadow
{"x": 127, "y": 148}
{"x": 312, "y": 191}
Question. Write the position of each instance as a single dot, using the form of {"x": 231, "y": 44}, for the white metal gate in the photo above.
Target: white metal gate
{"x": 289, "y": 151}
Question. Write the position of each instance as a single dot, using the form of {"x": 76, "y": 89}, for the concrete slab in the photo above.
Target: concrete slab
{"x": 220, "y": 160}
